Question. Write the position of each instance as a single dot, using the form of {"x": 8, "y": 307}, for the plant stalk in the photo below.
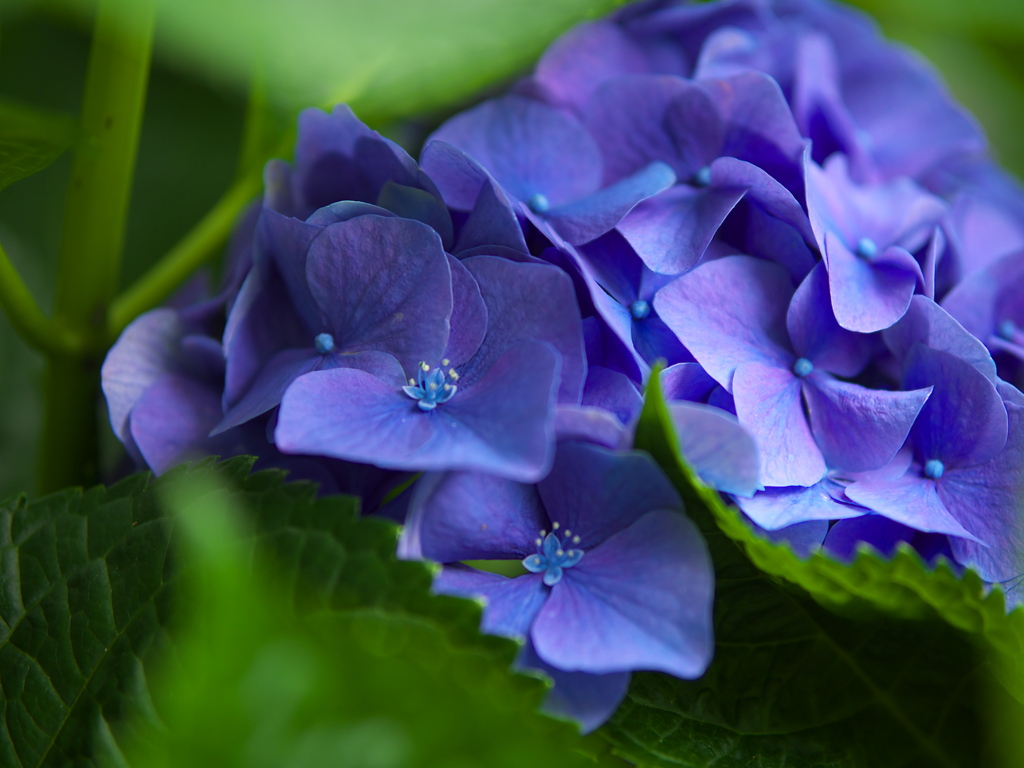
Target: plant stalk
{"x": 92, "y": 239}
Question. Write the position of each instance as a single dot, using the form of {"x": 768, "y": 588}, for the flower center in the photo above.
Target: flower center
{"x": 933, "y": 469}
{"x": 866, "y": 248}
{"x": 324, "y": 343}
{"x": 702, "y": 178}
{"x": 538, "y": 203}
{"x": 1006, "y": 330}
{"x": 639, "y": 309}
{"x": 554, "y": 555}
{"x": 803, "y": 367}
{"x": 431, "y": 386}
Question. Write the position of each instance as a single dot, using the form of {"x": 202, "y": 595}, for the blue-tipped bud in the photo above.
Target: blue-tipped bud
{"x": 803, "y": 367}
{"x": 933, "y": 468}
{"x": 639, "y": 309}
{"x": 324, "y": 343}
{"x": 538, "y": 203}
{"x": 702, "y": 178}
{"x": 867, "y": 248}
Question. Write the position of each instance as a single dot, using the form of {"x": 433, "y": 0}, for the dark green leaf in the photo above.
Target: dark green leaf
{"x": 30, "y": 140}
{"x": 793, "y": 684}
{"x": 89, "y": 588}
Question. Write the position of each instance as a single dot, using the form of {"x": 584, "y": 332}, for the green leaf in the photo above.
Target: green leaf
{"x": 389, "y": 58}
{"x": 91, "y": 604}
{"x": 30, "y": 140}
{"x": 793, "y": 684}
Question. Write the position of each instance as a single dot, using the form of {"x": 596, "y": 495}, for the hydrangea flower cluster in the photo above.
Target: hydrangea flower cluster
{"x": 786, "y": 209}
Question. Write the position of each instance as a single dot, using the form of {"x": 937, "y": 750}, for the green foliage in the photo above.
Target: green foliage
{"x": 30, "y": 139}
{"x": 794, "y": 684}
{"x": 301, "y": 638}
{"x": 387, "y": 59}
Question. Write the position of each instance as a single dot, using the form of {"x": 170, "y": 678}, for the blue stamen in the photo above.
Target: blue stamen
{"x": 702, "y": 178}
{"x": 554, "y": 555}
{"x": 803, "y": 367}
{"x": 866, "y": 248}
{"x": 639, "y": 309}
{"x": 324, "y": 343}
{"x": 933, "y": 469}
{"x": 1006, "y": 330}
{"x": 538, "y": 203}
{"x": 431, "y": 386}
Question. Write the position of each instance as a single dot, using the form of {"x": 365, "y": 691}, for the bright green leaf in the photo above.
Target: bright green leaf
{"x": 793, "y": 684}
{"x": 90, "y": 605}
{"x": 388, "y": 58}
{"x": 30, "y": 140}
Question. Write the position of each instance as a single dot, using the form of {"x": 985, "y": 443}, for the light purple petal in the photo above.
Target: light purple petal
{"x": 529, "y": 302}
{"x": 989, "y": 501}
{"x": 721, "y": 451}
{"x": 588, "y": 699}
{"x": 964, "y": 422}
{"x": 989, "y": 296}
{"x": 585, "y": 218}
{"x": 728, "y": 312}
{"x": 595, "y": 492}
{"x": 671, "y": 231}
{"x": 511, "y": 603}
{"x": 880, "y": 532}
{"x": 803, "y": 538}
{"x": 459, "y": 177}
{"x": 170, "y": 422}
{"x": 529, "y": 147}
{"x": 815, "y": 333}
{"x": 869, "y": 295}
{"x": 911, "y": 500}
{"x": 469, "y": 316}
{"x": 642, "y": 600}
{"x": 614, "y": 392}
{"x": 471, "y": 516}
{"x": 686, "y": 381}
{"x": 590, "y": 425}
{"x": 859, "y": 429}
{"x": 770, "y": 405}
{"x": 268, "y": 387}
{"x": 775, "y": 508}
{"x": 929, "y": 324}
{"x": 383, "y": 284}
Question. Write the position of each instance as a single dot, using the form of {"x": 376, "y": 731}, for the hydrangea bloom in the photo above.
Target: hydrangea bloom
{"x": 787, "y": 210}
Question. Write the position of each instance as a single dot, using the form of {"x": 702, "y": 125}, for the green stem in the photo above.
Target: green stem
{"x": 195, "y": 248}
{"x": 93, "y": 234}
{"x": 26, "y": 317}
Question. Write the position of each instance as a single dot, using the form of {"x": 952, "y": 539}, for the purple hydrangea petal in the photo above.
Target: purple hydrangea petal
{"x": 143, "y": 354}
{"x": 594, "y": 492}
{"x": 501, "y": 424}
{"x": 459, "y": 176}
{"x": 469, "y": 316}
{"x": 590, "y": 425}
{"x": 728, "y": 312}
{"x": 641, "y": 600}
{"x": 869, "y": 296}
{"x": 530, "y": 302}
{"x": 857, "y": 428}
{"x": 803, "y": 538}
{"x": 770, "y": 405}
{"x": 911, "y": 500}
{"x": 671, "y": 231}
{"x": 964, "y": 422}
{"x": 586, "y": 218}
{"x": 471, "y": 516}
{"x": 419, "y": 205}
{"x": 686, "y": 381}
{"x": 171, "y": 420}
{"x": 512, "y": 604}
{"x": 929, "y": 324}
{"x": 847, "y": 536}
{"x": 815, "y": 333}
{"x": 989, "y": 501}
{"x": 267, "y": 389}
{"x": 613, "y": 391}
{"x": 285, "y": 242}
{"x": 588, "y": 699}
{"x": 775, "y": 508}
{"x": 989, "y": 297}
{"x": 529, "y": 147}
{"x": 491, "y": 222}
{"x": 382, "y": 284}
{"x": 718, "y": 448}
{"x": 584, "y": 57}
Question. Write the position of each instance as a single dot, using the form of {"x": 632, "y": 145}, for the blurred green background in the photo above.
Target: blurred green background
{"x": 198, "y": 95}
